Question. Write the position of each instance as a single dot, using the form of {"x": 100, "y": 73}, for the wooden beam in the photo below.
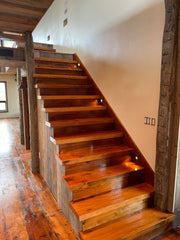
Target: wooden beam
{"x": 33, "y": 3}
{"x": 21, "y": 9}
{"x": 25, "y": 113}
{"x": 29, "y": 55}
{"x": 20, "y": 107}
{"x": 164, "y": 148}
{"x": 11, "y": 37}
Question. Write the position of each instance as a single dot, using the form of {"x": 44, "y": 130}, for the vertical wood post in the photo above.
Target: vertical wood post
{"x": 25, "y": 113}
{"x": 32, "y": 97}
{"x": 20, "y": 107}
{"x": 165, "y": 134}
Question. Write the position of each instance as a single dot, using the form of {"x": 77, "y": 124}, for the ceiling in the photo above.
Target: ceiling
{"x": 20, "y": 16}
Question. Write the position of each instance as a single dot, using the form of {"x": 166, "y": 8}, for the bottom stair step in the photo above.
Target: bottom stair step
{"x": 98, "y": 210}
{"x": 142, "y": 226}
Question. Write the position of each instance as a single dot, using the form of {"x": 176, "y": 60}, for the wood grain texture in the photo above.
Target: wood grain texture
{"x": 20, "y": 16}
{"x": 131, "y": 227}
{"x": 28, "y": 209}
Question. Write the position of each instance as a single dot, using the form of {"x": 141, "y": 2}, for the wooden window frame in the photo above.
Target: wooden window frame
{"x": 6, "y": 102}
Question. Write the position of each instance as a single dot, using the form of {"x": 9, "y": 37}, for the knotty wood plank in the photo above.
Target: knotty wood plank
{"x": 96, "y": 205}
{"x": 93, "y": 153}
{"x": 37, "y": 59}
{"x": 58, "y": 85}
{"x": 51, "y": 76}
{"x": 83, "y": 180}
{"x": 29, "y": 53}
{"x": 44, "y": 4}
{"x": 87, "y": 137}
{"x": 98, "y": 210}
{"x": 78, "y": 122}
{"x": 73, "y": 109}
{"x": 131, "y": 227}
{"x": 67, "y": 97}
{"x": 19, "y": 9}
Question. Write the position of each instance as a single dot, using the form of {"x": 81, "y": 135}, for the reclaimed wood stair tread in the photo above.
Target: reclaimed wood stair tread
{"x": 83, "y": 179}
{"x": 79, "y": 122}
{"x": 39, "y": 66}
{"x": 58, "y": 76}
{"x": 55, "y": 60}
{"x": 74, "y": 109}
{"x": 86, "y": 137}
{"x": 68, "y": 97}
{"x": 58, "y": 85}
{"x": 93, "y": 206}
{"x": 130, "y": 227}
{"x": 92, "y": 153}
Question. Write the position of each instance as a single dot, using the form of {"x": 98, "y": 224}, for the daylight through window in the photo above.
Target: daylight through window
{"x": 3, "y": 97}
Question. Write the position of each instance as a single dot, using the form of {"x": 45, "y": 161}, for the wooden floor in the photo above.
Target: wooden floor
{"x": 27, "y": 208}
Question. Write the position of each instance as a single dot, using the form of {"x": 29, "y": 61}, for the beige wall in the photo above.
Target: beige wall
{"x": 12, "y": 95}
{"x": 120, "y": 42}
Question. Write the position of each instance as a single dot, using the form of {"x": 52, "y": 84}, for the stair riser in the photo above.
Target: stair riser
{"x": 54, "y": 56}
{"x": 63, "y": 81}
{"x": 69, "y": 103}
{"x": 107, "y": 143}
{"x": 56, "y": 64}
{"x": 59, "y": 72}
{"x": 67, "y": 91}
{"x": 64, "y": 147}
{"x": 107, "y": 161}
{"x": 130, "y": 207}
{"x": 68, "y": 131}
{"x": 108, "y": 184}
{"x": 72, "y": 115}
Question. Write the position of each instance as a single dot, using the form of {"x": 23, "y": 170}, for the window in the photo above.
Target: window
{"x": 3, "y": 97}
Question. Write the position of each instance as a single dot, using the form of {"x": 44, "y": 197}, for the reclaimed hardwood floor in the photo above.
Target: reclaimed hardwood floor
{"x": 28, "y": 210}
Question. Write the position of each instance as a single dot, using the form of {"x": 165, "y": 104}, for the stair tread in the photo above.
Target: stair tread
{"x": 91, "y": 153}
{"x": 130, "y": 227}
{"x": 102, "y": 203}
{"x": 83, "y": 179}
{"x": 59, "y": 85}
{"x": 55, "y": 60}
{"x": 74, "y": 109}
{"x": 39, "y": 66}
{"x": 79, "y": 121}
{"x": 86, "y": 137}
{"x": 67, "y": 97}
{"x": 37, "y": 75}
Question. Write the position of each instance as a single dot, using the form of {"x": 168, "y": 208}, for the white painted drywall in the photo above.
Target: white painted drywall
{"x": 12, "y": 96}
{"x": 120, "y": 42}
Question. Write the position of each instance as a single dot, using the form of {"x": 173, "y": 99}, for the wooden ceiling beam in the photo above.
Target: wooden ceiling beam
{"x": 11, "y": 37}
{"x": 21, "y": 10}
{"x": 16, "y": 19}
{"x": 16, "y": 28}
{"x": 44, "y": 4}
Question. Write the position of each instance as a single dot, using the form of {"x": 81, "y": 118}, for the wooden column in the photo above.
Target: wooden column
{"x": 20, "y": 107}
{"x": 166, "y": 131}
{"x": 32, "y": 97}
{"x": 25, "y": 113}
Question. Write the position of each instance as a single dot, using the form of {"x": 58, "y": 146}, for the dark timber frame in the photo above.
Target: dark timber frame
{"x": 169, "y": 114}
{"x": 32, "y": 97}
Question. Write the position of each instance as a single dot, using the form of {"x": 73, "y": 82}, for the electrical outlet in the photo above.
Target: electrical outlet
{"x": 150, "y": 121}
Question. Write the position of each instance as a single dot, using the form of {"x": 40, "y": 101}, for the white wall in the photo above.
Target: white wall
{"x": 12, "y": 96}
{"x": 120, "y": 42}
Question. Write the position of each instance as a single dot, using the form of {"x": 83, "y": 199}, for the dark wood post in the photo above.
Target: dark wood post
{"x": 20, "y": 107}
{"x": 165, "y": 157}
{"x": 32, "y": 97}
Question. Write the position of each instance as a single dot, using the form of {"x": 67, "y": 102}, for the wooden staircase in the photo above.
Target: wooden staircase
{"x": 95, "y": 171}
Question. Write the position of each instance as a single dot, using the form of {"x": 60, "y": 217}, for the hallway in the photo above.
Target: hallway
{"x": 27, "y": 208}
